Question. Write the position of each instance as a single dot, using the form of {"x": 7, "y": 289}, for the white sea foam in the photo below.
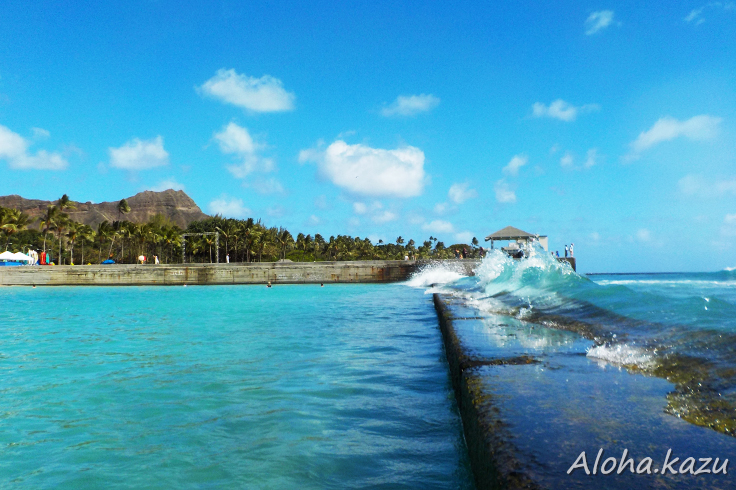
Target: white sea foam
{"x": 436, "y": 273}
{"x": 622, "y": 354}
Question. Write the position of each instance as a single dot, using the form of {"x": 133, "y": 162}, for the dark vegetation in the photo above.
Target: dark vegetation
{"x": 246, "y": 240}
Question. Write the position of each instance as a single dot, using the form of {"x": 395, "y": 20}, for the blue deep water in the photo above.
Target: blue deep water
{"x": 343, "y": 386}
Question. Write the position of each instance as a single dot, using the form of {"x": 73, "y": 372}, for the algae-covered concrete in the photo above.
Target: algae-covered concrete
{"x": 205, "y": 274}
{"x": 532, "y": 403}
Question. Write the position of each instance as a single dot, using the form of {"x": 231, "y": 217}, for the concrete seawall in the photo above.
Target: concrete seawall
{"x": 205, "y": 274}
{"x": 493, "y": 457}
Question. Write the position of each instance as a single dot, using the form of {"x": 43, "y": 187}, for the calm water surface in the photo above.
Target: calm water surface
{"x": 226, "y": 387}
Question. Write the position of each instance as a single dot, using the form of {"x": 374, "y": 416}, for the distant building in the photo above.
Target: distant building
{"x": 519, "y": 240}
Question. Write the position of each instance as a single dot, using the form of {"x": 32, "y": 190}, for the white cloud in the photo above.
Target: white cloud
{"x": 697, "y": 128}
{"x": 729, "y": 225}
{"x": 360, "y": 208}
{"x": 139, "y": 154}
{"x": 697, "y": 185}
{"x": 229, "y": 207}
{"x": 40, "y": 133}
{"x": 441, "y": 207}
{"x": 168, "y": 184}
{"x": 591, "y": 158}
{"x": 384, "y": 217}
{"x": 504, "y": 194}
{"x": 314, "y": 220}
{"x": 459, "y": 193}
{"x": 644, "y": 235}
{"x": 276, "y": 211}
{"x": 438, "y": 226}
{"x": 564, "y": 111}
{"x": 567, "y": 160}
{"x": 370, "y": 171}
{"x": 14, "y": 149}
{"x": 236, "y": 140}
{"x": 410, "y": 105}
{"x": 267, "y": 186}
{"x": 320, "y": 202}
{"x": 512, "y": 168}
{"x": 464, "y": 237}
{"x": 598, "y": 21}
{"x": 265, "y": 94}
{"x": 696, "y": 15}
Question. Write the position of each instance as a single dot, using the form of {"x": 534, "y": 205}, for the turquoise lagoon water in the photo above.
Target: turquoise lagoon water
{"x": 226, "y": 387}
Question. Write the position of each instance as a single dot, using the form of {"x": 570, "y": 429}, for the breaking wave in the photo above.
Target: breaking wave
{"x": 681, "y": 327}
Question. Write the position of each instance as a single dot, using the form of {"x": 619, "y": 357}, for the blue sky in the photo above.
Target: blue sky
{"x": 607, "y": 125}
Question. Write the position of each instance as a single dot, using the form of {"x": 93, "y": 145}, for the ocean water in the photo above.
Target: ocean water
{"x": 678, "y": 327}
{"x": 343, "y": 386}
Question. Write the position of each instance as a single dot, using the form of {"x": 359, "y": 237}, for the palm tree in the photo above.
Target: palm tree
{"x": 284, "y": 238}
{"x": 318, "y": 242}
{"x": 62, "y": 222}
{"x": 104, "y": 231}
{"x": 13, "y": 221}
{"x": 48, "y": 222}
{"x": 228, "y": 230}
{"x": 123, "y": 208}
{"x": 85, "y": 233}
{"x": 72, "y": 233}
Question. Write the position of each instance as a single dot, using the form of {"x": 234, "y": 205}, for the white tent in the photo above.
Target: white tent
{"x": 15, "y": 257}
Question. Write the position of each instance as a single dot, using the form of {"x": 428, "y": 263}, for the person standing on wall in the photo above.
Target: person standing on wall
{"x": 565, "y": 250}
{"x": 571, "y": 245}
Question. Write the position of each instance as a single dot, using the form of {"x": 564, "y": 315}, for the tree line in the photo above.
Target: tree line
{"x": 240, "y": 240}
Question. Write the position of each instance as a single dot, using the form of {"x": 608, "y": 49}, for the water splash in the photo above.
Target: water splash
{"x": 437, "y": 273}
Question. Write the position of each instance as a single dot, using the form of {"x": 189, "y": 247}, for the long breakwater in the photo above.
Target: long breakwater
{"x": 370, "y": 271}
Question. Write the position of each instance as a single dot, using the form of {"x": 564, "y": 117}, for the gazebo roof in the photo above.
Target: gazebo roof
{"x": 509, "y": 233}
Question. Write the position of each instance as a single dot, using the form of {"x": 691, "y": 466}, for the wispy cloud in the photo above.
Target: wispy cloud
{"x": 567, "y": 161}
{"x": 367, "y": 171}
{"x": 504, "y": 193}
{"x": 729, "y": 225}
{"x": 591, "y": 158}
{"x": 40, "y": 133}
{"x": 564, "y": 111}
{"x": 384, "y": 217}
{"x": 14, "y": 150}
{"x": 266, "y": 186}
{"x": 698, "y": 186}
{"x": 464, "y": 237}
{"x": 597, "y": 21}
{"x": 168, "y": 184}
{"x": 236, "y": 140}
{"x": 139, "y": 154}
{"x": 512, "y": 168}
{"x": 696, "y": 15}
{"x": 229, "y": 207}
{"x": 439, "y": 226}
{"x": 410, "y": 105}
{"x": 265, "y": 94}
{"x": 696, "y": 128}
{"x": 459, "y": 193}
